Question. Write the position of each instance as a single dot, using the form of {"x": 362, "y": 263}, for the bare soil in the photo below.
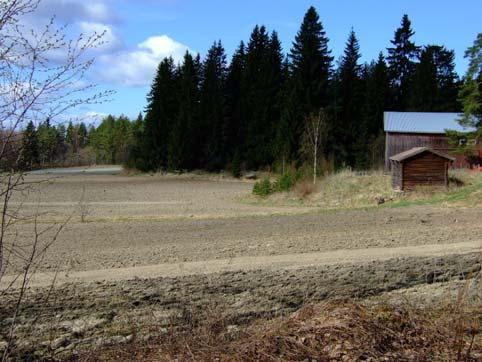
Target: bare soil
{"x": 154, "y": 247}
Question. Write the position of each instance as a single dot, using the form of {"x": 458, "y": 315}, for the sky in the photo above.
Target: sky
{"x": 140, "y": 33}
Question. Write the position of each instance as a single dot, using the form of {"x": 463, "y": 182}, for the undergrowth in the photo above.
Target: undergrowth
{"x": 334, "y": 330}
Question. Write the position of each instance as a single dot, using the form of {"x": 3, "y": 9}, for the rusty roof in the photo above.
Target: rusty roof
{"x": 416, "y": 151}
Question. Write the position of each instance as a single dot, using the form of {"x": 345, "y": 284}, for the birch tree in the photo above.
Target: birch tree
{"x": 314, "y": 137}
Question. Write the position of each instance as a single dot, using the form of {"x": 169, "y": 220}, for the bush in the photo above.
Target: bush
{"x": 285, "y": 182}
{"x": 263, "y": 187}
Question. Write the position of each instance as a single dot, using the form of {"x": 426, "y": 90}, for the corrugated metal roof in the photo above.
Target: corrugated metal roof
{"x": 416, "y": 151}
{"x": 423, "y": 122}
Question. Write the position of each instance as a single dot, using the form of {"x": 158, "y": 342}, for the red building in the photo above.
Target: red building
{"x": 406, "y": 130}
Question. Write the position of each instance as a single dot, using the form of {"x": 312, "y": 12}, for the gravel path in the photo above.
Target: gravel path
{"x": 239, "y": 264}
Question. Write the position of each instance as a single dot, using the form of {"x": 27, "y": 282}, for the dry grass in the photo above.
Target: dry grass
{"x": 335, "y": 330}
{"x": 349, "y": 189}
{"x": 305, "y": 188}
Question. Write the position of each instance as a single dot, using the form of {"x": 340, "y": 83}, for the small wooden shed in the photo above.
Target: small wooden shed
{"x": 420, "y": 166}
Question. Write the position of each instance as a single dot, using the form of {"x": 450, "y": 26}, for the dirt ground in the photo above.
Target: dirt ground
{"x": 152, "y": 247}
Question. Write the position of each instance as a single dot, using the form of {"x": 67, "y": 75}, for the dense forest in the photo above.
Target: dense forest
{"x": 210, "y": 114}
{"x": 251, "y": 112}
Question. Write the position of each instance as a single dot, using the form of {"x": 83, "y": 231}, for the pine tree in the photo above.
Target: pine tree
{"x": 161, "y": 112}
{"x": 211, "y": 146}
{"x": 401, "y": 62}
{"x": 30, "y": 152}
{"x": 310, "y": 70}
{"x": 349, "y": 129}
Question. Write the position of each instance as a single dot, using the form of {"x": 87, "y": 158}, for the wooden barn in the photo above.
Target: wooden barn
{"x": 420, "y": 166}
{"x": 406, "y": 130}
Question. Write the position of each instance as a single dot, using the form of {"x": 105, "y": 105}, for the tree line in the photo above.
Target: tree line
{"x": 212, "y": 115}
{"x": 48, "y": 145}
{"x": 255, "y": 111}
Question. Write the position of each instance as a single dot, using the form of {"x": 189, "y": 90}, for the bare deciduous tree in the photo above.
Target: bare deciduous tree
{"x": 41, "y": 76}
{"x": 314, "y": 137}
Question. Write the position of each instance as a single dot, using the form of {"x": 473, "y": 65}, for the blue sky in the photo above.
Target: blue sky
{"x": 140, "y": 33}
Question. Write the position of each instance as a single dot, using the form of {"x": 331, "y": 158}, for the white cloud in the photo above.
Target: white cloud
{"x": 162, "y": 46}
{"x": 110, "y": 40}
{"x": 137, "y": 67}
{"x": 114, "y": 63}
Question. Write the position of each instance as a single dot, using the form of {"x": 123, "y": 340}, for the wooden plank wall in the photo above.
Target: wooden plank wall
{"x": 397, "y": 172}
{"x": 400, "y": 142}
{"x": 425, "y": 170}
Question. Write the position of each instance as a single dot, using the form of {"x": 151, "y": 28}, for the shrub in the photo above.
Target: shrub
{"x": 263, "y": 187}
{"x": 285, "y": 182}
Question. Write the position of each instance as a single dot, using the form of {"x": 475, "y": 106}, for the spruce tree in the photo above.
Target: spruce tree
{"x": 447, "y": 78}
{"x": 401, "y": 62}
{"x": 161, "y": 112}
{"x": 349, "y": 128}
{"x": 82, "y": 130}
{"x": 47, "y": 142}
{"x": 235, "y": 125}
{"x": 30, "y": 150}
{"x": 424, "y": 87}
{"x": 69, "y": 137}
{"x": 278, "y": 77}
{"x": 180, "y": 152}
{"x": 434, "y": 87}
{"x": 60, "y": 147}
{"x": 377, "y": 93}
{"x": 263, "y": 81}
{"x": 310, "y": 72}
{"x": 284, "y": 145}
{"x": 211, "y": 147}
